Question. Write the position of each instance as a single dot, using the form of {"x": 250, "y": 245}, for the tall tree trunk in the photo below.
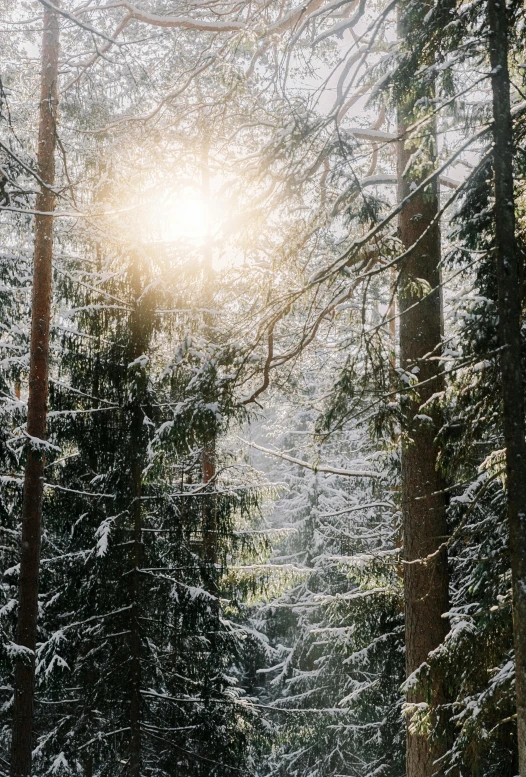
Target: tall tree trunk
{"x": 23, "y": 710}
{"x": 509, "y": 306}
{"x": 208, "y": 460}
{"x": 140, "y": 329}
{"x": 208, "y": 272}
{"x": 134, "y": 769}
{"x": 208, "y": 466}
{"x": 423, "y": 498}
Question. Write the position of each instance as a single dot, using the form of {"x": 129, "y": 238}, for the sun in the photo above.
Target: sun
{"x": 185, "y": 217}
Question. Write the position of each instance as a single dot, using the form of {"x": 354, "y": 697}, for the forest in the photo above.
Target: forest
{"x": 262, "y": 388}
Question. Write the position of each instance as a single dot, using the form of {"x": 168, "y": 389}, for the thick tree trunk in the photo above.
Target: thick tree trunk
{"x": 423, "y": 497}
{"x": 509, "y": 305}
{"x": 23, "y": 710}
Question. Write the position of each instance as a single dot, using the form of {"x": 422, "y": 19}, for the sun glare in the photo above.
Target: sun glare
{"x": 182, "y": 217}
{"x": 185, "y": 218}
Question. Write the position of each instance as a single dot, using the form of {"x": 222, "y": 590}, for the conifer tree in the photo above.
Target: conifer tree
{"x": 135, "y": 633}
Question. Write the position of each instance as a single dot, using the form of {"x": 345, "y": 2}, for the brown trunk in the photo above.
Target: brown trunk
{"x": 208, "y": 461}
{"x": 88, "y": 767}
{"x": 509, "y": 305}
{"x": 23, "y": 709}
{"x": 134, "y": 769}
{"x": 391, "y": 319}
{"x": 138, "y": 345}
{"x": 209, "y": 513}
{"x": 205, "y": 192}
{"x": 423, "y": 498}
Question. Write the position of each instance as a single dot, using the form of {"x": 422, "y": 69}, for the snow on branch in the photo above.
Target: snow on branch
{"x": 184, "y": 22}
{"x": 367, "y": 133}
{"x": 350, "y": 473}
{"x": 72, "y": 18}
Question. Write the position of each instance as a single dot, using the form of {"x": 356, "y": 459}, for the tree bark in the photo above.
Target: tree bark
{"x": 134, "y": 769}
{"x": 208, "y": 466}
{"x": 509, "y": 307}
{"x": 140, "y": 330}
{"x": 23, "y": 710}
{"x": 208, "y": 459}
{"x": 423, "y": 497}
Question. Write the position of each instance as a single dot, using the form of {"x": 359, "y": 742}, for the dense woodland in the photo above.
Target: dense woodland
{"x": 262, "y": 377}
